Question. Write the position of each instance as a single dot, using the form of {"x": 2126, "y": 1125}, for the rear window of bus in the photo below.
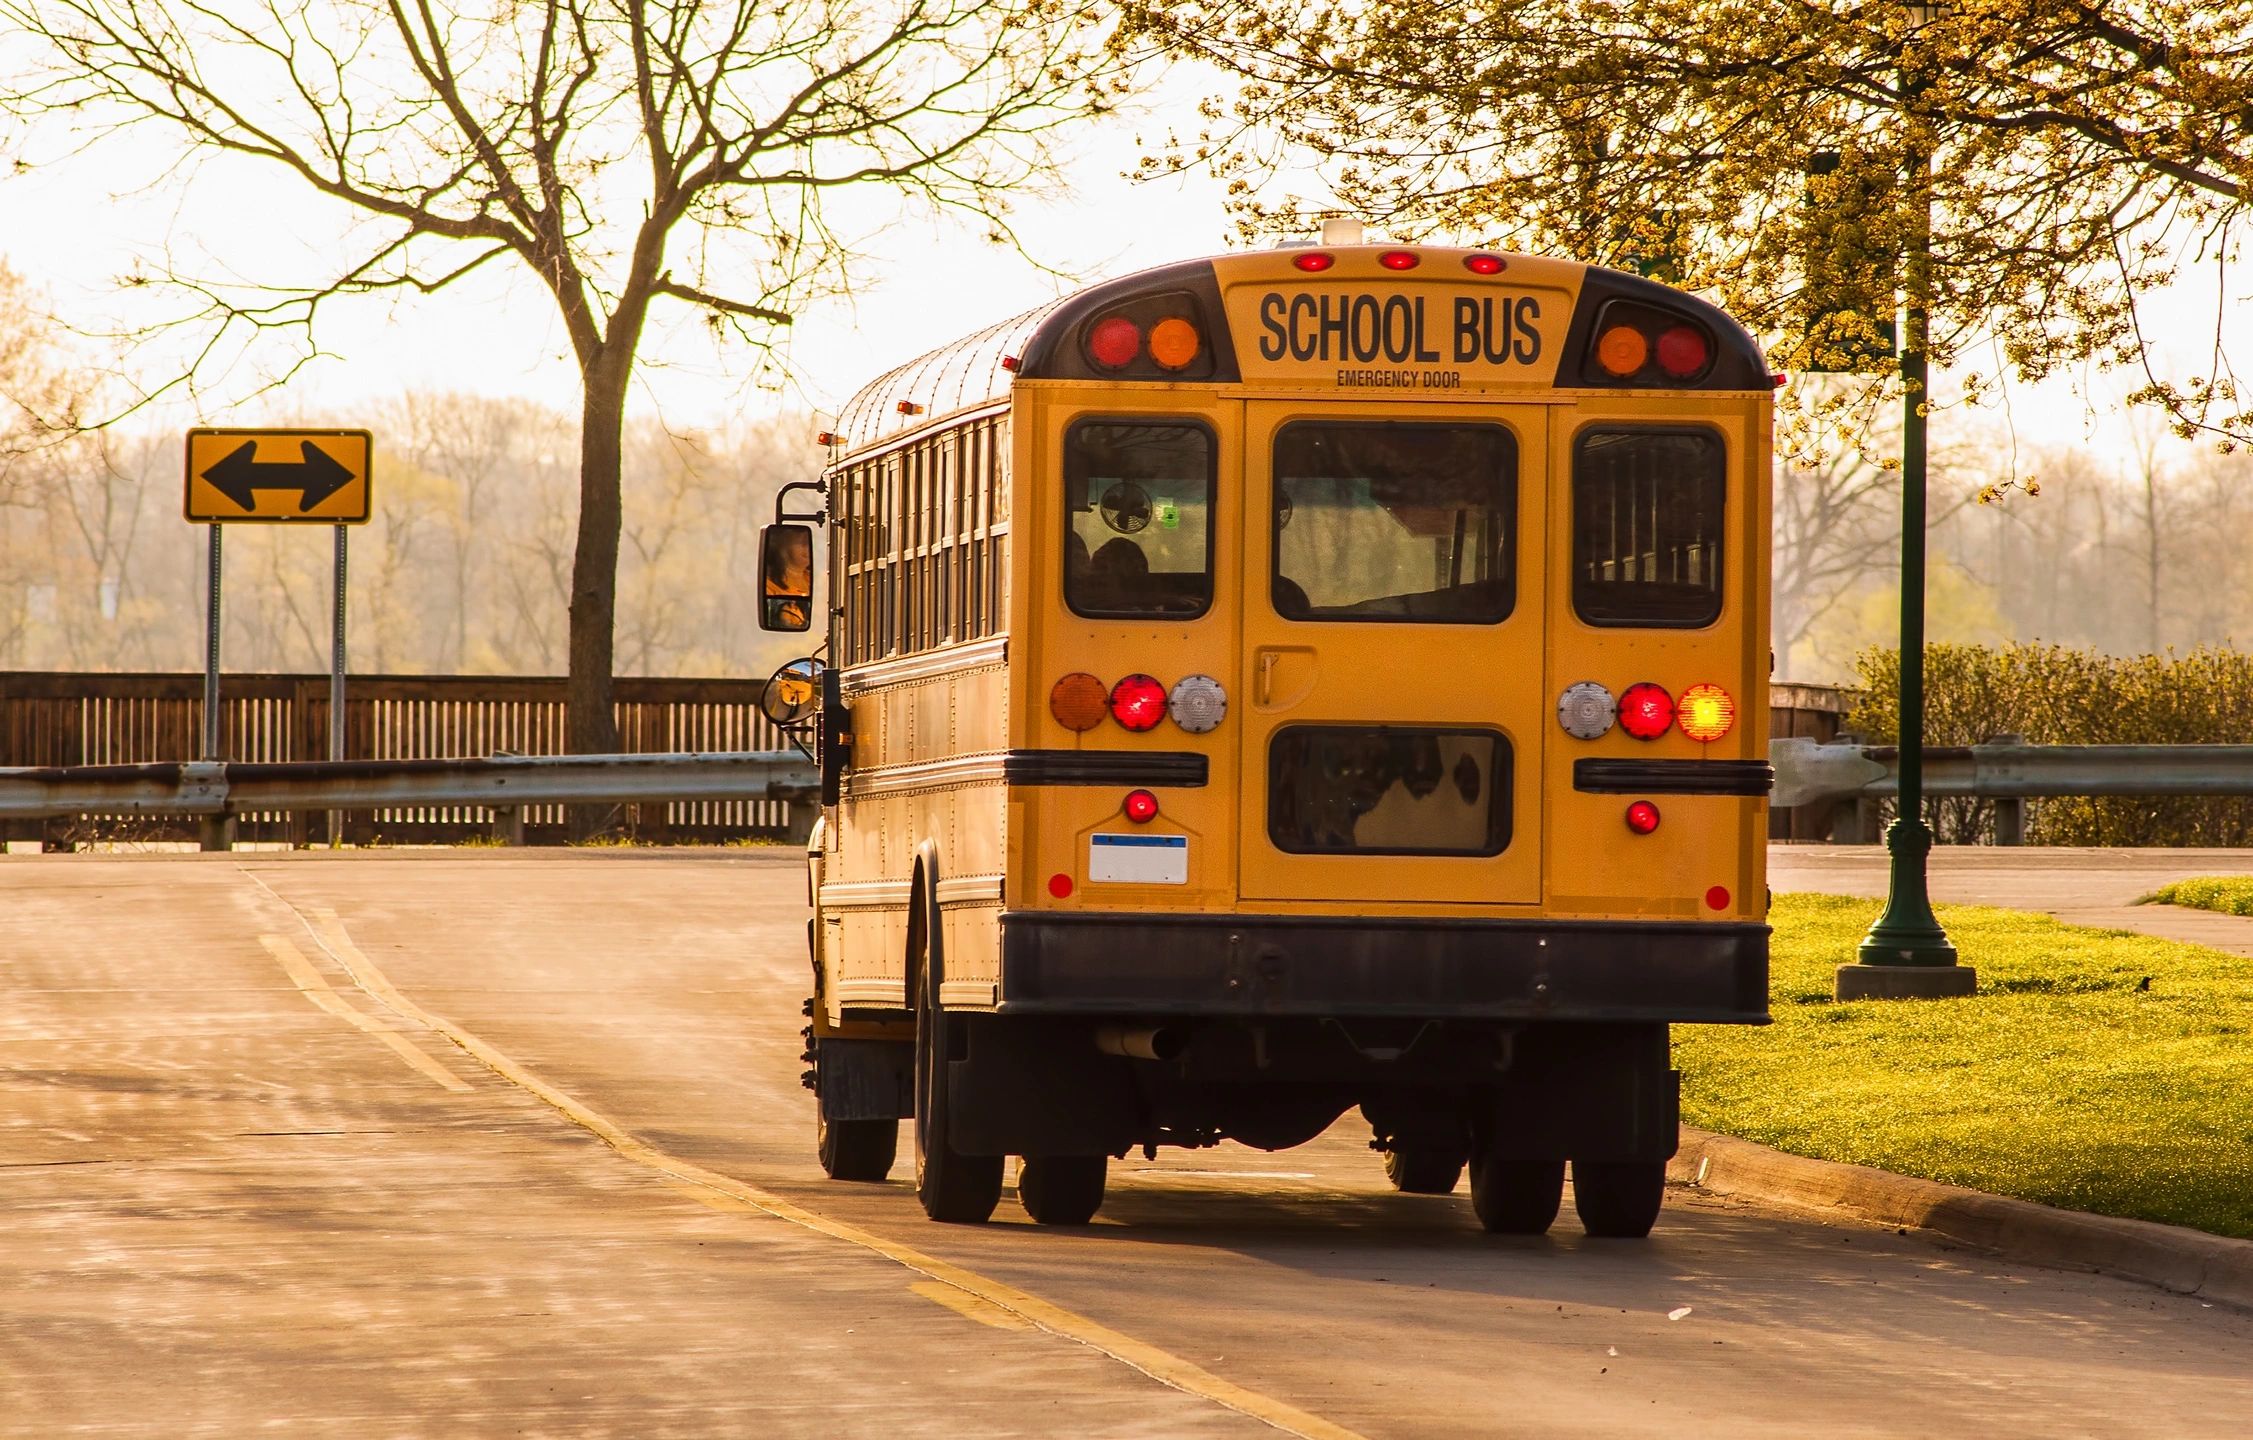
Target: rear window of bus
{"x": 1377, "y": 522}
{"x": 1646, "y": 527}
{"x": 1138, "y": 540}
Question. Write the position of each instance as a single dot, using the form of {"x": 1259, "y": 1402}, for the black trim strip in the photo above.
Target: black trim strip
{"x": 1673, "y": 777}
{"x": 1105, "y": 767}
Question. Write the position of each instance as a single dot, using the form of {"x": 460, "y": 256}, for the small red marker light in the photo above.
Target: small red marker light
{"x": 1313, "y": 260}
{"x": 1398, "y": 260}
{"x": 1010, "y": 363}
{"x": 826, "y": 437}
{"x": 909, "y": 407}
{"x": 1060, "y": 886}
{"x": 1642, "y": 817}
{"x": 1717, "y": 898}
{"x": 1141, "y": 806}
{"x": 1645, "y": 711}
{"x": 1778, "y": 382}
{"x": 1138, "y": 702}
{"x": 1483, "y": 264}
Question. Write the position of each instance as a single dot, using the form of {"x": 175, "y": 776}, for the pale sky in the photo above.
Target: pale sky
{"x": 75, "y": 228}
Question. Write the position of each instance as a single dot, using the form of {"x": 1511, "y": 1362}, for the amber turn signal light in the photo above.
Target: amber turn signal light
{"x": 1079, "y": 701}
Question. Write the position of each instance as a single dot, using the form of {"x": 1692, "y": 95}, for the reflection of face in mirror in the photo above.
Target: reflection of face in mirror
{"x": 786, "y": 569}
{"x": 793, "y": 693}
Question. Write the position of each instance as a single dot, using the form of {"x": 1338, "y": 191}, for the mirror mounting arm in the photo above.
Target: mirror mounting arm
{"x": 782, "y": 510}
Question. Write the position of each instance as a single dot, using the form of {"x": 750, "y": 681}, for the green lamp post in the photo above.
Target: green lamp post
{"x": 1906, "y": 954}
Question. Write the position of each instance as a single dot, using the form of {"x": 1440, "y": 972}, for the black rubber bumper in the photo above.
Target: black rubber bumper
{"x": 1125, "y": 964}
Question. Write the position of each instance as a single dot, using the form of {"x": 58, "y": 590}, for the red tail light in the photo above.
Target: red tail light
{"x": 1141, "y": 806}
{"x": 1115, "y": 342}
{"x": 1138, "y": 702}
{"x": 1646, "y": 710}
{"x": 1642, "y": 817}
{"x": 1706, "y": 713}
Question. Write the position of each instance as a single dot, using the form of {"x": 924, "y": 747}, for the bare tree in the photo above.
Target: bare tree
{"x": 627, "y": 154}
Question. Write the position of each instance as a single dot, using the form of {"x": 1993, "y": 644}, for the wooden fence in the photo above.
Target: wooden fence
{"x": 78, "y": 718}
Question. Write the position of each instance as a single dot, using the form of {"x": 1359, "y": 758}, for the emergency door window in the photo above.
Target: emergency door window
{"x": 1138, "y": 540}
{"x": 1377, "y": 522}
{"x": 1646, "y": 527}
{"x": 1388, "y": 790}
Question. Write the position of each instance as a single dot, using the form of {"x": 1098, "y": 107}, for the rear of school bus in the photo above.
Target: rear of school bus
{"x": 1388, "y": 694}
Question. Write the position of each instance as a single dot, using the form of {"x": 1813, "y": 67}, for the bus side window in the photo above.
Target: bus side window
{"x": 1647, "y": 515}
{"x": 1138, "y": 499}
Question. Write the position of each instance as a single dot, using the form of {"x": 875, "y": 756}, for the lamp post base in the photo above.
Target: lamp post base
{"x": 1904, "y": 982}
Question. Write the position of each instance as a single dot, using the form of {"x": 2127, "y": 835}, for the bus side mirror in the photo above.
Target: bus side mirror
{"x": 786, "y": 577}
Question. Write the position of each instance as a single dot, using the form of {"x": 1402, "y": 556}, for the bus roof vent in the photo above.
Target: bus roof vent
{"x": 1342, "y": 230}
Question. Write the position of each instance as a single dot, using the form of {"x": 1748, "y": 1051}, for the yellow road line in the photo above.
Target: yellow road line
{"x": 961, "y": 1302}
{"x": 1160, "y": 1365}
{"x": 309, "y": 983}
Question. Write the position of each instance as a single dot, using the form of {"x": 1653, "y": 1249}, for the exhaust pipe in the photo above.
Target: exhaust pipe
{"x": 1145, "y": 1042}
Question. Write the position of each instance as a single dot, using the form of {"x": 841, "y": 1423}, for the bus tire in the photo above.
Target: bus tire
{"x": 856, "y": 1149}
{"x": 1514, "y": 1195}
{"x": 1618, "y": 1199}
{"x": 1062, "y": 1189}
{"x": 956, "y": 1188}
{"x": 1424, "y": 1169}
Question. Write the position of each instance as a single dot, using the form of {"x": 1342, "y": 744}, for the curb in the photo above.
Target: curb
{"x": 2186, "y": 1262}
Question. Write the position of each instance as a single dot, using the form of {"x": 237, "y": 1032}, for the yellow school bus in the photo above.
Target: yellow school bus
{"x": 1264, "y": 687}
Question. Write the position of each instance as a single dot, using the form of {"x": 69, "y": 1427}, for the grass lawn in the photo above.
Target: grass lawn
{"x": 2065, "y": 1080}
{"x": 2230, "y": 894}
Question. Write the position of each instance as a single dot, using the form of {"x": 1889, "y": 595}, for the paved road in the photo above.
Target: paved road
{"x": 2084, "y": 886}
{"x": 505, "y": 1142}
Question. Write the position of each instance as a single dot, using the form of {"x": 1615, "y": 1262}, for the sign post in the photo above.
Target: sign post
{"x": 277, "y": 477}
{"x": 336, "y": 677}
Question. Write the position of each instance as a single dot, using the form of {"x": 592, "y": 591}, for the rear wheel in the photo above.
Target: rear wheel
{"x": 960, "y": 1189}
{"x": 1618, "y": 1199}
{"x": 1424, "y": 1169}
{"x": 1062, "y": 1189}
{"x": 856, "y": 1149}
{"x": 1514, "y": 1195}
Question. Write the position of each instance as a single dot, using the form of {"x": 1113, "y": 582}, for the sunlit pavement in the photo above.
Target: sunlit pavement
{"x": 2084, "y": 886}
{"x": 316, "y": 1141}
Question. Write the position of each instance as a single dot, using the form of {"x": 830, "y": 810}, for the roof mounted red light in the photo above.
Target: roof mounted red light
{"x": 1398, "y": 260}
{"x": 1483, "y": 264}
{"x": 1313, "y": 260}
{"x": 1138, "y": 702}
{"x": 1683, "y": 351}
{"x": 1114, "y": 342}
{"x": 1646, "y": 711}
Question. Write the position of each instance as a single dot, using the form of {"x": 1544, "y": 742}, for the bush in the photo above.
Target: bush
{"x": 2051, "y": 695}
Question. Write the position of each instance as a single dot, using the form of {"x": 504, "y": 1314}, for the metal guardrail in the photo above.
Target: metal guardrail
{"x": 502, "y": 782}
{"x": 1808, "y": 771}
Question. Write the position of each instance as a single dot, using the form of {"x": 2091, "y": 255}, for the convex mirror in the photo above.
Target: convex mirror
{"x": 793, "y": 693}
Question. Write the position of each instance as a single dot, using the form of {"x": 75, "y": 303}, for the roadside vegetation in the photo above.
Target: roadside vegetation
{"x": 2228, "y": 894}
{"x": 2096, "y": 1070}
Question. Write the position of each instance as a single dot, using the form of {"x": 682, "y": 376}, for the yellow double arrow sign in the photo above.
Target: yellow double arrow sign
{"x": 307, "y": 477}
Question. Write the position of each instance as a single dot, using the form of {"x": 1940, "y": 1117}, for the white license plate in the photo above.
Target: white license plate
{"x": 1138, "y": 859}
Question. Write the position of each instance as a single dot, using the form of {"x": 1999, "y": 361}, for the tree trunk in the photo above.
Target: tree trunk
{"x": 590, "y": 722}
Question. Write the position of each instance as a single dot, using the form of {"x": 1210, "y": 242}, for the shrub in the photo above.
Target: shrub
{"x": 2052, "y": 695}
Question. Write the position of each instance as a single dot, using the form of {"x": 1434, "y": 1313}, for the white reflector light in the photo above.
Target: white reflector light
{"x": 1586, "y": 710}
{"x": 1197, "y": 703}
